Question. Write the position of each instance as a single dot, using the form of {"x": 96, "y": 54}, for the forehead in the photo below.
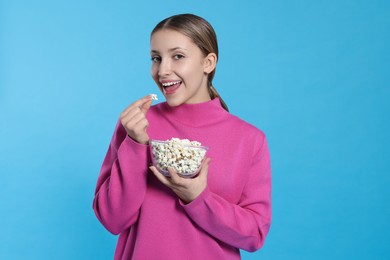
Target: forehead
{"x": 166, "y": 39}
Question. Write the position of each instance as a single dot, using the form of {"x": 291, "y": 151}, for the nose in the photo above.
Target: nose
{"x": 165, "y": 68}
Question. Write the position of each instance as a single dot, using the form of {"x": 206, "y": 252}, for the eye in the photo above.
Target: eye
{"x": 156, "y": 59}
{"x": 178, "y": 56}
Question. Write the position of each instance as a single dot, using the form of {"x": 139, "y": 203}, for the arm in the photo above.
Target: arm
{"x": 244, "y": 225}
{"x": 121, "y": 185}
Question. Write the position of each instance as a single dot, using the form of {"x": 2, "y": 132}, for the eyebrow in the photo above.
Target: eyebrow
{"x": 171, "y": 49}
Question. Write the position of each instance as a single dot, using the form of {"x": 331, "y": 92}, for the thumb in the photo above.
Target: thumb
{"x": 205, "y": 168}
{"x": 145, "y": 106}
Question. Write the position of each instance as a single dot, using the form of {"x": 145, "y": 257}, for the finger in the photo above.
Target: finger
{"x": 131, "y": 120}
{"x": 204, "y": 168}
{"x": 138, "y": 103}
{"x": 130, "y": 110}
{"x": 159, "y": 176}
{"x": 134, "y": 114}
{"x": 175, "y": 177}
{"x": 141, "y": 126}
{"x": 145, "y": 107}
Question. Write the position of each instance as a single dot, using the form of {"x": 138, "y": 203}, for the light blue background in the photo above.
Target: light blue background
{"x": 314, "y": 75}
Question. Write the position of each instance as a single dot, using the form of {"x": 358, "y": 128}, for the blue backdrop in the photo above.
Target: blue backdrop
{"x": 314, "y": 75}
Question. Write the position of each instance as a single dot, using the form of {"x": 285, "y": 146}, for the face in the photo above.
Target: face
{"x": 179, "y": 68}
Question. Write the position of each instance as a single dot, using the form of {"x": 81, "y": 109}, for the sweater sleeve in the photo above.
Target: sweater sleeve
{"x": 122, "y": 182}
{"x": 243, "y": 225}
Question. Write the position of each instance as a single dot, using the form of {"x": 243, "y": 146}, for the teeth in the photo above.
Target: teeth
{"x": 170, "y": 83}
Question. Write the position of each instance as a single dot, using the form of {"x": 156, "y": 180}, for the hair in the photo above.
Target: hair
{"x": 202, "y": 34}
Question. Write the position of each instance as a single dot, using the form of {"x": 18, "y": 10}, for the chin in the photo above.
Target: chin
{"x": 173, "y": 102}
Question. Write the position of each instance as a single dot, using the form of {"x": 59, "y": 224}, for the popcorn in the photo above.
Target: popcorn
{"x": 154, "y": 96}
{"x": 183, "y": 155}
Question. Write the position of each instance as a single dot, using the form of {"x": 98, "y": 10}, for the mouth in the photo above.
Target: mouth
{"x": 171, "y": 87}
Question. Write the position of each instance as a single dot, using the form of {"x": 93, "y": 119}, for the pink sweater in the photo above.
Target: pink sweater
{"x": 232, "y": 213}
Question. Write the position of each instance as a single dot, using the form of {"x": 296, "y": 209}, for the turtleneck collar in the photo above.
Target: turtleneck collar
{"x": 199, "y": 114}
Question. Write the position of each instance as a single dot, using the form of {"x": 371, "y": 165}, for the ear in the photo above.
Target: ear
{"x": 210, "y": 61}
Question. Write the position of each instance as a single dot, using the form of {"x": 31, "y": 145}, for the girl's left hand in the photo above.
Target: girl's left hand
{"x": 186, "y": 189}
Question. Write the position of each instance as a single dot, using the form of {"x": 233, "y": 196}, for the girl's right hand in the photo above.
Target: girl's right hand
{"x": 134, "y": 120}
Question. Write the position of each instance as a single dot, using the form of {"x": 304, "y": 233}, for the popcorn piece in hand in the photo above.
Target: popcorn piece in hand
{"x": 154, "y": 96}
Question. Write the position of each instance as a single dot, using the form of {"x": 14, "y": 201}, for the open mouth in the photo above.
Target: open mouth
{"x": 171, "y": 87}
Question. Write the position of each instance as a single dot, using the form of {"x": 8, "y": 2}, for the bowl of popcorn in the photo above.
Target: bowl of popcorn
{"x": 183, "y": 155}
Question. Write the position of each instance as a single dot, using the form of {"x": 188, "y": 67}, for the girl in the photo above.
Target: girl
{"x": 226, "y": 207}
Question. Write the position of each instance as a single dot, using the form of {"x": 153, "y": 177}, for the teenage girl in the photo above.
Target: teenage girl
{"x": 227, "y": 206}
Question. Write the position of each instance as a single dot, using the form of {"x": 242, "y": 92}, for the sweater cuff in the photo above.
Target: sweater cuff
{"x": 197, "y": 201}
{"x": 135, "y": 147}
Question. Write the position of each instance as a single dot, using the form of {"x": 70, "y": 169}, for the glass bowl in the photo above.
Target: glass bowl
{"x": 184, "y": 157}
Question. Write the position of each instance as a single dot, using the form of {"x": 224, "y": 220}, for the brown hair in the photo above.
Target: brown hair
{"x": 201, "y": 33}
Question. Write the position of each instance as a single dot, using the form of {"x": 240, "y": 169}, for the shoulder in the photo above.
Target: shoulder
{"x": 247, "y": 128}
{"x": 243, "y": 135}
{"x": 246, "y": 137}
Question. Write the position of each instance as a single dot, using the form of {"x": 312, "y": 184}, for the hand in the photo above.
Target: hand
{"x": 186, "y": 189}
{"x": 134, "y": 120}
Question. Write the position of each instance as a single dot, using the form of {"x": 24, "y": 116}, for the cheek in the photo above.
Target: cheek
{"x": 185, "y": 71}
{"x": 154, "y": 75}
{"x": 153, "y": 72}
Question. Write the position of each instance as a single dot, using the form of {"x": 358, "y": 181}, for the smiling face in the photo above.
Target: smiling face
{"x": 179, "y": 68}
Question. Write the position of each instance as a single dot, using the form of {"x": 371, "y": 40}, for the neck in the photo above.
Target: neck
{"x": 198, "y": 114}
